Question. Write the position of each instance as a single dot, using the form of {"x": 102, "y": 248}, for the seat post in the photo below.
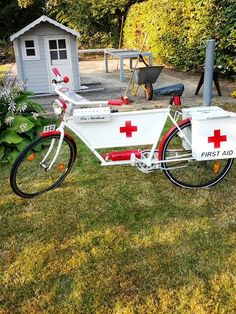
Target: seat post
{"x": 177, "y": 100}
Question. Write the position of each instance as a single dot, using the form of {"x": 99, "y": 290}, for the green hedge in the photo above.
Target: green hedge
{"x": 178, "y": 30}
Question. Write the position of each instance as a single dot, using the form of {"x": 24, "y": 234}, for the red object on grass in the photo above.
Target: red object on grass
{"x": 125, "y": 100}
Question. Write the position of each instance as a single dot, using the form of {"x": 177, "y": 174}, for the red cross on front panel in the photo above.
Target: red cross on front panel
{"x": 217, "y": 139}
{"x": 128, "y": 129}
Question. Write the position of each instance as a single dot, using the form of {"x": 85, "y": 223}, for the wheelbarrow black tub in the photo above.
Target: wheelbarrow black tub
{"x": 147, "y": 74}
{"x": 145, "y": 77}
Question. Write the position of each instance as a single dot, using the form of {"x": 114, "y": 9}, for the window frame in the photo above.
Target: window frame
{"x": 24, "y": 48}
{"x": 58, "y": 49}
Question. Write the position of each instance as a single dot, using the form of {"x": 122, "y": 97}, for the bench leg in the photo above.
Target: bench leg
{"x": 217, "y": 84}
{"x": 106, "y": 62}
{"x": 130, "y": 63}
{"x": 199, "y": 84}
{"x": 215, "y": 79}
{"x": 122, "y": 75}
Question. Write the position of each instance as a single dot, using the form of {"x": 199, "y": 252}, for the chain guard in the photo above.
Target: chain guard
{"x": 143, "y": 167}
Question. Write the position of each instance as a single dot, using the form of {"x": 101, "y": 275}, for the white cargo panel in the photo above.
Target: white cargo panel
{"x": 213, "y": 135}
{"x": 123, "y": 129}
{"x": 189, "y": 112}
{"x": 91, "y": 115}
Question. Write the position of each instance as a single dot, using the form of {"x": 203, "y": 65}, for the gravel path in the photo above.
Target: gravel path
{"x": 93, "y": 74}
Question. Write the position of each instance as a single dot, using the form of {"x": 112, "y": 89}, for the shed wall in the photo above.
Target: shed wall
{"x": 18, "y": 58}
{"x": 36, "y": 71}
{"x": 75, "y": 61}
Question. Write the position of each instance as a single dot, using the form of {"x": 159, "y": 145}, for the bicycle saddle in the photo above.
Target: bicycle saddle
{"x": 171, "y": 90}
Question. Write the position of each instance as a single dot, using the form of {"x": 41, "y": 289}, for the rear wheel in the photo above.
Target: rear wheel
{"x": 148, "y": 91}
{"x": 30, "y": 175}
{"x": 186, "y": 171}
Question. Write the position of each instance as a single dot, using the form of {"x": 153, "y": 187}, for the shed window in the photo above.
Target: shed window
{"x": 57, "y": 49}
{"x": 30, "y": 48}
{"x": 29, "y": 43}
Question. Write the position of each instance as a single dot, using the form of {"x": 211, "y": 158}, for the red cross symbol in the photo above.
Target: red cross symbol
{"x": 128, "y": 129}
{"x": 217, "y": 139}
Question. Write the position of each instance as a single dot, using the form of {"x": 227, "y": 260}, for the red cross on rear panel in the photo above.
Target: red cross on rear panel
{"x": 128, "y": 129}
{"x": 217, "y": 139}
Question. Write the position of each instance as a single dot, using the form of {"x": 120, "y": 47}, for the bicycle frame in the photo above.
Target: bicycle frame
{"x": 52, "y": 155}
{"x": 153, "y": 135}
{"x": 119, "y": 129}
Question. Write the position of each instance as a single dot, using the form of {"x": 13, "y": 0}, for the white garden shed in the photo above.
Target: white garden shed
{"x": 41, "y": 46}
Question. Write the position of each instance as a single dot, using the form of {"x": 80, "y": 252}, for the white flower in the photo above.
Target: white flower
{"x": 22, "y": 107}
{"x": 6, "y": 94}
{"x": 35, "y": 115}
{"x": 9, "y": 120}
{"x": 23, "y": 127}
{"x": 12, "y": 106}
{"x": 20, "y": 86}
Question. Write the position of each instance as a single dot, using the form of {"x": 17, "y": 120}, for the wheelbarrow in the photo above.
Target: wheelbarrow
{"x": 145, "y": 77}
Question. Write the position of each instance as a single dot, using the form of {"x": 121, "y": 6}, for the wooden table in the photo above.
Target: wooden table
{"x": 124, "y": 54}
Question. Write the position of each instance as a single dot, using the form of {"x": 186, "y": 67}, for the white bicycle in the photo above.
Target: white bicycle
{"x": 47, "y": 161}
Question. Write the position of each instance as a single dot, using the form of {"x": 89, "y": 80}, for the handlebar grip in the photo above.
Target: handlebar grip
{"x": 115, "y": 102}
{"x": 56, "y": 72}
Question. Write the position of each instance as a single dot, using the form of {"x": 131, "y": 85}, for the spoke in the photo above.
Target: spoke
{"x": 182, "y": 169}
{"x": 32, "y": 177}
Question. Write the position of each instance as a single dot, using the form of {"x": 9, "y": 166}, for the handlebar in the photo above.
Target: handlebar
{"x": 60, "y": 79}
{"x": 56, "y": 72}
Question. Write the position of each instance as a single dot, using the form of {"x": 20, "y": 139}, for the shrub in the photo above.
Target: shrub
{"x": 6, "y": 52}
{"x": 21, "y": 120}
{"x": 177, "y": 30}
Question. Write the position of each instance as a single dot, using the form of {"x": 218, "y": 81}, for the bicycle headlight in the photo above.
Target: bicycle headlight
{"x": 58, "y": 107}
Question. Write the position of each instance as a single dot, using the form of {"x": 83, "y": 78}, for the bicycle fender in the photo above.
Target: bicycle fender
{"x": 45, "y": 134}
{"x": 70, "y": 138}
{"x": 161, "y": 146}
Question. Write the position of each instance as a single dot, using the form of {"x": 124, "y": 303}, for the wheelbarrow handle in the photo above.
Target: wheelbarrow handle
{"x": 141, "y": 59}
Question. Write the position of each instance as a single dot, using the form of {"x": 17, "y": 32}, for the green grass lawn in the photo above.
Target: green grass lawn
{"x": 114, "y": 240}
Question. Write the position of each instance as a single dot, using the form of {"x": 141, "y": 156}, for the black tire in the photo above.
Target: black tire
{"x": 148, "y": 91}
{"x": 29, "y": 178}
{"x": 190, "y": 173}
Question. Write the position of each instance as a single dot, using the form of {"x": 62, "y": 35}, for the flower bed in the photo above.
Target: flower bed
{"x": 21, "y": 119}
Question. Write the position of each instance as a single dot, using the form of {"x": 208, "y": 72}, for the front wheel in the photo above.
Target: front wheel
{"x": 30, "y": 175}
{"x": 182, "y": 169}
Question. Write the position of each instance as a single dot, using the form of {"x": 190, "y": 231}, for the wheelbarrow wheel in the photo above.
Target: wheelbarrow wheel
{"x": 148, "y": 91}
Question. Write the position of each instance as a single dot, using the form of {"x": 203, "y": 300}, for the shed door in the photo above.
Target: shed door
{"x": 59, "y": 56}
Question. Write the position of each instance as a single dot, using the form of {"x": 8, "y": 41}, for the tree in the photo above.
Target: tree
{"x": 98, "y": 21}
{"x": 178, "y": 30}
{"x": 13, "y": 17}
